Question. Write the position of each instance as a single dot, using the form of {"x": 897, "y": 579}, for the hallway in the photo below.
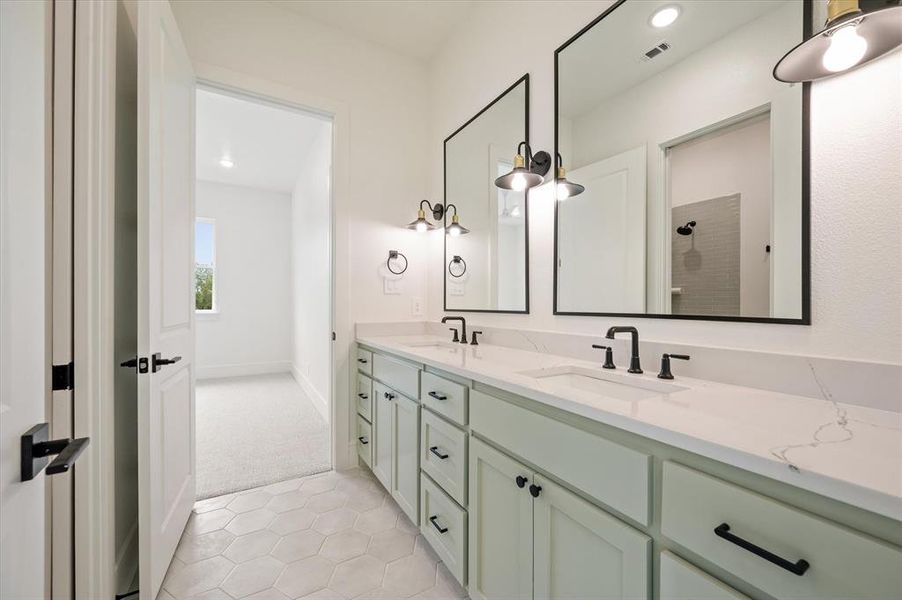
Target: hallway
{"x": 335, "y": 535}
{"x": 254, "y": 431}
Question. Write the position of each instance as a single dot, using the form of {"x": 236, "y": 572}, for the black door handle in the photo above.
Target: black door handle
{"x": 534, "y": 490}
{"x": 35, "y": 448}
{"x": 435, "y": 451}
{"x": 440, "y": 529}
{"x": 157, "y": 361}
{"x": 521, "y": 481}
{"x": 797, "y": 568}
{"x": 438, "y": 396}
{"x": 363, "y": 440}
{"x": 139, "y": 364}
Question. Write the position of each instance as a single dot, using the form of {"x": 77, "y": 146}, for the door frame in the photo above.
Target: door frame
{"x": 343, "y": 445}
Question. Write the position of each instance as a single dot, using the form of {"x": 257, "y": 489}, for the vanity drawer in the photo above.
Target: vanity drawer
{"x": 842, "y": 563}
{"x": 364, "y": 361}
{"x": 445, "y": 397}
{"x": 364, "y": 441}
{"x": 400, "y": 376}
{"x": 681, "y": 580}
{"x": 364, "y": 397}
{"x": 443, "y": 455}
{"x": 616, "y": 475}
{"x": 444, "y": 525}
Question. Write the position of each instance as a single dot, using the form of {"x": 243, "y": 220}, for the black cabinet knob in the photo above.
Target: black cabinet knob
{"x": 535, "y": 490}
{"x": 521, "y": 481}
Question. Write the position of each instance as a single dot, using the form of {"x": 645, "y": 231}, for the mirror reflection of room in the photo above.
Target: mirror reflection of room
{"x": 692, "y": 157}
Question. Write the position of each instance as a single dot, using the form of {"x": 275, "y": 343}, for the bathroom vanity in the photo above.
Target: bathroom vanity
{"x": 534, "y": 475}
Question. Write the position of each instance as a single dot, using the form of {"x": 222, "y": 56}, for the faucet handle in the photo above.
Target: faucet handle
{"x": 608, "y": 356}
{"x": 456, "y": 334}
{"x": 474, "y": 341}
{"x": 665, "y": 364}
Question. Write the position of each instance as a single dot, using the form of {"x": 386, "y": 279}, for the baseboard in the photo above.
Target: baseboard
{"x": 126, "y": 567}
{"x": 320, "y": 402}
{"x": 240, "y": 370}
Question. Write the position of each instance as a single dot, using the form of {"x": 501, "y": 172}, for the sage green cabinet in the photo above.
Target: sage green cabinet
{"x": 582, "y": 551}
{"x": 405, "y": 455}
{"x": 500, "y": 538}
{"x": 382, "y": 434}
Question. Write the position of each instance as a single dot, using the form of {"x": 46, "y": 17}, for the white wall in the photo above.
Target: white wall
{"x": 311, "y": 268}
{"x": 856, "y": 183}
{"x": 251, "y": 332}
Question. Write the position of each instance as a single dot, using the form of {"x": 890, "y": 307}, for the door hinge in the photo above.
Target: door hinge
{"x": 63, "y": 377}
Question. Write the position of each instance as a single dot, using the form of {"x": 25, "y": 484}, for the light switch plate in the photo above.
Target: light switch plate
{"x": 391, "y": 286}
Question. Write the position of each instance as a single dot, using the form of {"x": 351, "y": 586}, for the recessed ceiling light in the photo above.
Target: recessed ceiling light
{"x": 226, "y": 162}
{"x": 665, "y": 16}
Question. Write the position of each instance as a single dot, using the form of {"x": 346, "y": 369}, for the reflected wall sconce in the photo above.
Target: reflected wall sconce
{"x": 395, "y": 255}
{"x": 565, "y": 189}
{"x": 850, "y": 39}
{"x": 457, "y": 267}
{"x": 528, "y": 172}
{"x": 455, "y": 228}
{"x": 421, "y": 224}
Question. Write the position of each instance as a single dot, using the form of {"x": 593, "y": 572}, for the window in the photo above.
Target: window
{"x": 205, "y": 265}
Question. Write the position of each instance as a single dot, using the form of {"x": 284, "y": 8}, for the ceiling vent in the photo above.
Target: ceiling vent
{"x": 656, "y": 51}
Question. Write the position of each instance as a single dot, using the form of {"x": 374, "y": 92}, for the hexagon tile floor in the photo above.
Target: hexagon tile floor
{"x": 337, "y": 535}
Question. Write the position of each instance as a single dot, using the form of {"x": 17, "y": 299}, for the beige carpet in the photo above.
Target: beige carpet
{"x": 256, "y": 430}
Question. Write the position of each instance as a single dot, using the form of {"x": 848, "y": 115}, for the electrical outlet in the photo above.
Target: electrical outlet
{"x": 416, "y": 306}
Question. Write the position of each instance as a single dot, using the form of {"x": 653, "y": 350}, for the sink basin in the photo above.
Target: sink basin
{"x": 619, "y": 387}
{"x": 433, "y": 345}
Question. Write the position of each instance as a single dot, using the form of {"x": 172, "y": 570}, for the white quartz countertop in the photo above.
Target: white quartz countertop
{"x": 850, "y": 453}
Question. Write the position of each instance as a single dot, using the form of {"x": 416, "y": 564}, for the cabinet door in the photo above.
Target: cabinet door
{"x": 583, "y": 552}
{"x": 382, "y": 434}
{"x": 500, "y": 538}
{"x": 405, "y": 488}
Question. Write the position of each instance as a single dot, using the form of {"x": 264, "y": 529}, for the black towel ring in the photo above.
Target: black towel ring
{"x": 395, "y": 254}
{"x": 457, "y": 260}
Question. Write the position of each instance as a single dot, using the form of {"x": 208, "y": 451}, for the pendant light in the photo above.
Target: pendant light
{"x": 421, "y": 224}
{"x": 528, "y": 172}
{"x": 850, "y": 39}
{"x": 564, "y": 189}
{"x": 455, "y": 228}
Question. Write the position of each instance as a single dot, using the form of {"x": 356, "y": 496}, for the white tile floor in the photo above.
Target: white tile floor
{"x": 337, "y": 535}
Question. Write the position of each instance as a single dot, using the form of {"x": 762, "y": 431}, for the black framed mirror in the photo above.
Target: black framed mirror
{"x": 694, "y": 160}
{"x": 486, "y": 256}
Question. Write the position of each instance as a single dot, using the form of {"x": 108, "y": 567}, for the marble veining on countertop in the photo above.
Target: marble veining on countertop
{"x": 843, "y": 451}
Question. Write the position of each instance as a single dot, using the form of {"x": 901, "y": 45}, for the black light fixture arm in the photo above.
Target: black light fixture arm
{"x": 539, "y": 163}
{"x": 437, "y": 209}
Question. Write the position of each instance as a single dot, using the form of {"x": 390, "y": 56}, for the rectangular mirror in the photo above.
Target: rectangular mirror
{"x": 694, "y": 161}
{"x": 486, "y": 268}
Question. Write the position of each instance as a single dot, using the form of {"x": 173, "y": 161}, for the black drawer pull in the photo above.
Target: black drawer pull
{"x": 435, "y": 451}
{"x": 440, "y": 529}
{"x": 362, "y": 396}
{"x": 438, "y": 396}
{"x": 362, "y": 361}
{"x": 363, "y": 440}
{"x": 521, "y": 481}
{"x": 798, "y": 568}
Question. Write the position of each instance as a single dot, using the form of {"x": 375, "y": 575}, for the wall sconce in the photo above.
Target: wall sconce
{"x": 528, "y": 172}
{"x": 421, "y": 224}
{"x": 455, "y": 228}
{"x": 850, "y": 39}
{"x": 565, "y": 189}
{"x": 457, "y": 267}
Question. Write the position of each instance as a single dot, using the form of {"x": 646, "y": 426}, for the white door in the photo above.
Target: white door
{"x": 166, "y": 478}
{"x": 24, "y": 357}
{"x": 583, "y": 552}
{"x": 405, "y": 487}
{"x": 500, "y": 521}
{"x": 382, "y": 434}
{"x": 601, "y": 237}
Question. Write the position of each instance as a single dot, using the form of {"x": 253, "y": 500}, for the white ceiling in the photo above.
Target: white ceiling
{"x": 267, "y": 143}
{"x": 416, "y": 29}
{"x": 607, "y": 59}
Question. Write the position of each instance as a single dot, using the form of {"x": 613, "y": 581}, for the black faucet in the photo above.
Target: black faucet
{"x": 634, "y": 349}
{"x": 463, "y": 327}
{"x": 665, "y": 364}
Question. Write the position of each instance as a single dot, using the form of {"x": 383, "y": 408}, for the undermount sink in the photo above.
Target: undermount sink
{"x": 609, "y": 385}
{"x": 433, "y": 345}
